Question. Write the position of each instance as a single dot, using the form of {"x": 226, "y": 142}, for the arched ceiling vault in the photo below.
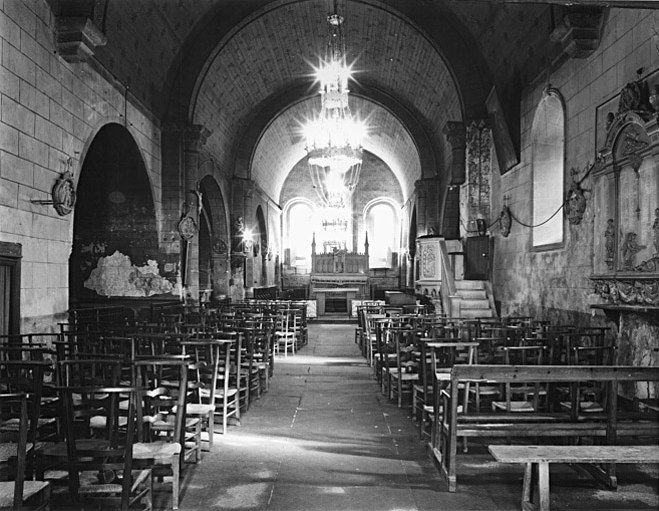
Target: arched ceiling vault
{"x": 387, "y": 138}
{"x": 278, "y": 47}
{"x": 219, "y": 62}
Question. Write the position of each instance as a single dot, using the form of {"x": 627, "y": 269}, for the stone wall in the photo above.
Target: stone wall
{"x": 50, "y": 111}
{"x": 554, "y": 284}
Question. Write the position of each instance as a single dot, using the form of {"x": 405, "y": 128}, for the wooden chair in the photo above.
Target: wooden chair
{"x": 19, "y": 493}
{"x": 405, "y": 375}
{"x": 370, "y": 339}
{"x": 211, "y": 372}
{"x": 100, "y": 459}
{"x": 286, "y": 331}
{"x": 27, "y": 376}
{"x": 443, "y": 355}
{"x": 531, "y": 354}
{"x": 164, "y": 444}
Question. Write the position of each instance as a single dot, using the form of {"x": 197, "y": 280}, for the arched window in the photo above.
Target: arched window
{"x": 300, "y": 225}
{"x": 548, "y": 156}
{"x": 382, "y": 225}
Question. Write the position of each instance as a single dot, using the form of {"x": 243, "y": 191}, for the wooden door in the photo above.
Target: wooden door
{"x": 477, "y": 258}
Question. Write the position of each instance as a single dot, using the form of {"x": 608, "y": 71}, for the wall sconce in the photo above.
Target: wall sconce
{"x": 247, "y": 240}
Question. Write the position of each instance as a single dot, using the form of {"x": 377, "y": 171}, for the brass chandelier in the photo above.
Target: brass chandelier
{"x": 334, "y": 138}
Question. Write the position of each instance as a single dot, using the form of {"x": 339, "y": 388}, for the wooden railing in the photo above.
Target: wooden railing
{"x": 450, "y": 299}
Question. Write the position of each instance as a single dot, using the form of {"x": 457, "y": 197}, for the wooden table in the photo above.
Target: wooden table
{"x": 538, "y": 457}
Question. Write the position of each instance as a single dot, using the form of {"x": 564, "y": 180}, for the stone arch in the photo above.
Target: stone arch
{"x": 115, "y": 226}
{"x": 214, "y": 239}
{"x": 429, "y": 153}
{"x": 440, "y": 26}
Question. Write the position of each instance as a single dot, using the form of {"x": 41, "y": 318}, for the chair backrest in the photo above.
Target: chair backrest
{"x": 88, "y": 371}
{"x": 211, "y": 357}
{"x": 15, "y": 405}
{"x": 25, "y": 377}
{"x": 106, "y": 447}
{"x": 165, "y": 380}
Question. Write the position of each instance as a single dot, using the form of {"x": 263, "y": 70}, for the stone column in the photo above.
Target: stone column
{"x": 427, "y": 205}
{"x": 475, "y": 193}
{"x": 448, "y": 193}
{"x": 242, "y": 261}
{"x": 181, "y": 205}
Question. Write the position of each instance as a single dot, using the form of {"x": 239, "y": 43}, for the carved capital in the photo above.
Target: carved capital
{"x": 579, "y": 32}
{"x": 456, "y": 134}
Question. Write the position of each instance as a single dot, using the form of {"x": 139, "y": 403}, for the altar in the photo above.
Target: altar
{"x": 338, "y": 278}
{"x": 326, "y": 299}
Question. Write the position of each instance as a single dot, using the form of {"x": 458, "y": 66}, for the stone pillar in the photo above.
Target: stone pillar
{"x": 448, "y": 193}
{"x": 193, "y": 139}
{"x": 242, "y": 260}
{"x": 182, "y": 204}
{"x": 455, "y": 135}
{"x": 427, "y": 205}
{"x": 475, "y": 193}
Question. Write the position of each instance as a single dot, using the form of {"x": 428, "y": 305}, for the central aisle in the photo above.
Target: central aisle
{"x": 322, "y": 438}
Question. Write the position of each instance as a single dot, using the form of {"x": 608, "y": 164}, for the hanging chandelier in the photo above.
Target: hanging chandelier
{"x": 334, "y": 138}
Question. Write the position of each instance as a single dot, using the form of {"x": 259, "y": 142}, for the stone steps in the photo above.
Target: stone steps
{"x": 475, "y": 302}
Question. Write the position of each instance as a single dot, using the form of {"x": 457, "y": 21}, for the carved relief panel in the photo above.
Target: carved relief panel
{"x": 428, "y": 268}
{"x": 626, "y": 201}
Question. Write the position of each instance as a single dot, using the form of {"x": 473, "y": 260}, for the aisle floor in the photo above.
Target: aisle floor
{"x": 324, "y": 438}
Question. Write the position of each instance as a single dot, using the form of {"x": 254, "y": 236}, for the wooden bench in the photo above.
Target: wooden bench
{"x": 535, "y": 488}
{"x": 560, "y": 423}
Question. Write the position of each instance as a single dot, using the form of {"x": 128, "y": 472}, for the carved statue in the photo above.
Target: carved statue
{"x": 655, "y": 231}
{"x": 238, "y": 229}
{"x": 631, "y": 97}
{"x": 610, "y": 117}
{"x": 575, "y": 205}
{"x": 610, "y": 243}
{"x": 629, "y": 250}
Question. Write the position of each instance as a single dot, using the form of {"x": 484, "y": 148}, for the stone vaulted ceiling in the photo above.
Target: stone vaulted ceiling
{"x": 386, "y": 137}
{"x": 242, "y": 69}
{"x": 279, "y": 46}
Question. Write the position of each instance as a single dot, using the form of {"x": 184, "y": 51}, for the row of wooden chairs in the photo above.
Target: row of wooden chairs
{"x": 223, "y": 365}
{"x": 411, "y": 355}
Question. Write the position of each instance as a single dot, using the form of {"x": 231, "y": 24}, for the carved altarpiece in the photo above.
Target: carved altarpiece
{"x": 626, "y": 198}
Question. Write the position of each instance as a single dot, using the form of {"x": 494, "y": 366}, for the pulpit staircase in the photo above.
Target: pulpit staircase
{"x": 461, "y": 297}
{"x": 475, "y": 299}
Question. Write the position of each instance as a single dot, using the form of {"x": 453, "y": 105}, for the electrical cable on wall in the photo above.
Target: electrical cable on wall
{"x": 532, "y": 226}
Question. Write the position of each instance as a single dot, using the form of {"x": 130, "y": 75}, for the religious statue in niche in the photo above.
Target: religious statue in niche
{"x": 655, "y": 232}
{"x": 629, "y": 250}
{"x": 238, "y": 229}
{"x": 609, "y": 243}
